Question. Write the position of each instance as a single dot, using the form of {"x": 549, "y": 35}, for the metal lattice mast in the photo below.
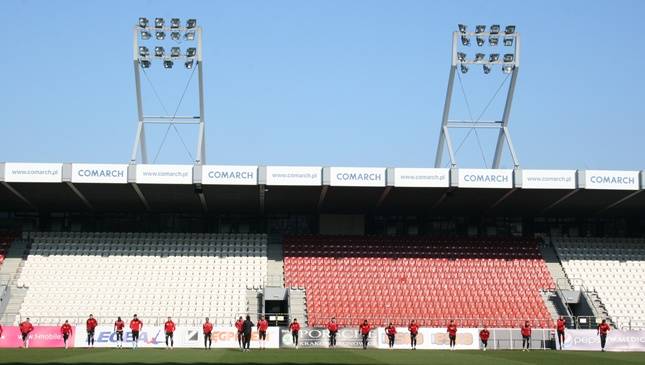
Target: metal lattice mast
{"x": 143, "y": 59}
{"x": 510, "y": 64}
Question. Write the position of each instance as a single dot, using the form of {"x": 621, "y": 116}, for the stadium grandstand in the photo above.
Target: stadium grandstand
{"x": 491, "y": 247}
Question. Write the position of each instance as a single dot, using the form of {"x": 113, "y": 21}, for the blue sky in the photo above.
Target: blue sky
{"x": 356, "y": 83}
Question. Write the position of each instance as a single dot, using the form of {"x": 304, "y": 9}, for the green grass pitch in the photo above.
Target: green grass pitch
{"x": 312, "y": 356}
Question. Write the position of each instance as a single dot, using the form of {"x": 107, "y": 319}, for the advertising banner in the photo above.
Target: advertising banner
{"x": 485, "y": 178}
{"x": 294, "y": 175}
{"x": 421, "y": 178}
{"x": 229, "y": 175}
{"x": 588, "y": 340}
{"x": 611, "y": 180}
{"x": 33, "y": 172}
{"x": 41, "y": 336}
{"x": 549, "y": 179}
{"x": 357, "y": 176}
{"x": 317, "y": 337}
{"x": 184, "y": 337}
{"x": 164, "y": 174}
{"x": 99, "y": 173}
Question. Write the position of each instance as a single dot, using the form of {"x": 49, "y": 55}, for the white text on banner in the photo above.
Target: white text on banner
{"x": 33, "y": 172}
{"x": 164, "y": 174}
{"x": 357, "y": 176}
{"x": 422, "y": 178}
{"x": 611, "y": 180}
{"x": 229, "y": 175}
{"x": 485, "y": 178}
{"x": 294, "y": 175}
{"x": 99, "y": 173}
{"x": 548, "y": 179}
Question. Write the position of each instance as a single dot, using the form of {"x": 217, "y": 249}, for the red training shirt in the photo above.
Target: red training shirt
{"x": 365, "y": 329}
{"x": 484, "y": 335}
{"x": 413, "y": 328}
{"x": 239, "y": 324}
{"x": 452, "y": 329}
{"x": 169, "y": 326}
{"x": 208, "y": 327}
{"x": 294, "y": 326}
{"x": 26, "y": 327}
{"x": 136, "y": 325}
{"x": 263, "y": 325}
{"x": 390, "y": 330}
{"x": 66, "y": 329}
{"x": 91, "y": 324}
{"x": 119, "y": 325}
{"x": 526, "y": 331}
{"x": 332, "y": 326}
{"x": 560, "y": 325}
{"x": 603, "y": 328}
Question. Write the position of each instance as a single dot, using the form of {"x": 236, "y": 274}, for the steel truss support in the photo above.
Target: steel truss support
{"x": 504, "y": 137}
{"x": 139, "y": 145}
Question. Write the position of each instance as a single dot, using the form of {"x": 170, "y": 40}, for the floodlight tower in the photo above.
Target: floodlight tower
{"x": 510, "y": 64}
{"x": 143, "y": 58}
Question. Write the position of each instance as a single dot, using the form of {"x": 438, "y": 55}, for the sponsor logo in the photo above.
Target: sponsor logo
{"x": 486, "y": 178}
{"x": 235, "y": 175}
{"x": 616, "y": 180}
{"x": 144, "y": 336}
{"x": 353, "y": 176}
{"x": 443, "y": 339}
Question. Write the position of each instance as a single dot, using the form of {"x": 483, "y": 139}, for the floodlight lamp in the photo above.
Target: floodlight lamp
{"x": 143, "y": 51}
{"x": 479, "y": 57}
{"x": 494, "y": 29}
{"x": 462, "y": 28}
{"x": 465, "y": 40}
{"x": 175, "y": 36}
{"x": 159, "y": 22}
{"x": 189, "y": 63}
{"x": 464, "y": 69}
{"x": 191, "y": 23}
{"x": 480, "y": 29}
{"x": 189, "y": 36}
{"x": 508, "y": 57}
{"x": 494, "y": 57}
{"x": 480, "y": 41}
{"x": 160, "y": 36}
{"x": 508, "y": 41}
{"x": 143, "y": 22}
{"x": 145, "y": 35}
{"x": 493, "y": 41}
{"x": 145, "y": 63}
{"x": 487, "y": 69}
{"x": 191, "y": 52}
{"x": 167, "y": 64}
{"x": 507, "y": 69}
{"x": 510, "y": 29}
{"x": 174, "y": 23}
{"x": 175, "y": 52}
{"x": 159, "y": 51}
{"x": 461, "y": 56}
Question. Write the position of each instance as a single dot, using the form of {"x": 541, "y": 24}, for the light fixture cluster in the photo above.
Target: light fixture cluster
{"x": 480, "y": 34}
{"x": 177, "y": 32}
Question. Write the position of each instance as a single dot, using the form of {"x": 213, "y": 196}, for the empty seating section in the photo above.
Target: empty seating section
{"x": 474, "y": 281}
{"x": 70, "y": 275}
{"x": 614, "y": 268}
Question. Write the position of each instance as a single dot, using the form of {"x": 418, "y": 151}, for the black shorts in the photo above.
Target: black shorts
{"x": 65, "y": 336}
{"x": 263, "y": 335}
{"x": 90, "y": 333}
{"x": 135, "y": 335}
{"x": 169, "y": 334}
{"x": 24, "y": 336}
{"x": 207, "y": 334}
{"x": 452, "y": 337}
